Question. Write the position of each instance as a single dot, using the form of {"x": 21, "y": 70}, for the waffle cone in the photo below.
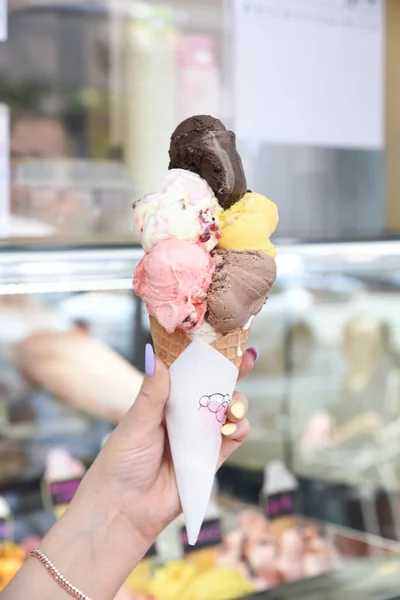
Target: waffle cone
{"x": 168, "y": 346}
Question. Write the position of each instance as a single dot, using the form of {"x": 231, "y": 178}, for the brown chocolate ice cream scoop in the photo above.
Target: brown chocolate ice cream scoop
{"x": 203, "y": 145}
{"x": 240, "y": 286}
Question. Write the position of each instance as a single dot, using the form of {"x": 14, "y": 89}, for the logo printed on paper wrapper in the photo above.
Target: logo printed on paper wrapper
{"x": 216, "y": 404}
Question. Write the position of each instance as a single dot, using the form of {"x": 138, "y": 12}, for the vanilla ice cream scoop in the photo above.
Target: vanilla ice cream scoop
{"x": 183, "y": 207}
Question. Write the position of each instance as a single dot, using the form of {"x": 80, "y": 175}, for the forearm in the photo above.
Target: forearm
{"x": 91, "y": 546}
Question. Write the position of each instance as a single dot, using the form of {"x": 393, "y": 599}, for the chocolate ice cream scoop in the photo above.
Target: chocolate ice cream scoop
{"x": 240, "y": 286}
{"x": 203, "y": 145}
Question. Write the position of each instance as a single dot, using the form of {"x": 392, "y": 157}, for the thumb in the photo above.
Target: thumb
{"x": 148, "y": 409}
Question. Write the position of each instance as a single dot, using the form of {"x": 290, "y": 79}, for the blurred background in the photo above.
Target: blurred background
{"x": 90, "y": 92}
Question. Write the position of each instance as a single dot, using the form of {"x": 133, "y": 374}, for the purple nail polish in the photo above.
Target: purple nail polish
{"x": 255, "y": 353}
{"x": 149, "y": 362}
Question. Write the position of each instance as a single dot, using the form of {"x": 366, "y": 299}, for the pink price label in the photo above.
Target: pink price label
{"x": 62, "y": 492}
{"x": 210, "y": 535}
{"x": 280, "y": 505}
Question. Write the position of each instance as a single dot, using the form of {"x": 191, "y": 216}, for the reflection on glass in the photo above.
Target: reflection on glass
{"x": 103, "y": 83}
{"x": 38, "y": 137}
{"x": 368, "y": 395}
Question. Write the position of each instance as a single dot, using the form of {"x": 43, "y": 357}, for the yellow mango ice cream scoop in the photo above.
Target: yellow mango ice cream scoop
{"x": 248, "y": 224}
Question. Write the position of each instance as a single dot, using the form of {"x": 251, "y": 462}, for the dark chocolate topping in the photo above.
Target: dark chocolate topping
{"x": 202, "y": 144}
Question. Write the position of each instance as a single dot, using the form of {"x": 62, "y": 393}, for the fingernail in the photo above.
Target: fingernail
{"x": 228, "y": 429}
{"x": 255, "y": 353}
{"x": 237, "y": 410}
{"x": 149, "y": 362}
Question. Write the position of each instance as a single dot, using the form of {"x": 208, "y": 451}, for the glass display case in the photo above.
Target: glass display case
{"x": 312, "y": 404}
{"x": 65, "y": 306}
{"x": 80, "y": 84}
{"x": 325, "y": 393}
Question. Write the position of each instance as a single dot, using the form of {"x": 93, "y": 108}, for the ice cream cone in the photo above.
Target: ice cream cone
{"x": 168, "y": 346}
{"x": 189, "y": 283}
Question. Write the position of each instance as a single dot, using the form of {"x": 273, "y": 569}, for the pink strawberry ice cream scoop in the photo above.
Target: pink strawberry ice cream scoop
{"x": 182, "y": 207}
{"x": 173, "y": 280}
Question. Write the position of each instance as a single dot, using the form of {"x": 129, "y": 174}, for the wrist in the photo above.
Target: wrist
{"x": 93, "y": 544}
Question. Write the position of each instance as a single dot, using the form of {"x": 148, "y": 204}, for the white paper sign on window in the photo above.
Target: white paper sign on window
{"x": 4, "y": 171}
{"x": 310, "y": 72}
{"x": 3, "y": 20}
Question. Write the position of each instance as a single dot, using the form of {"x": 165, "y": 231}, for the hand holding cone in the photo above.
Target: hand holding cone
{"x": 137, "y": 457}
{"x": 195, "y": 292}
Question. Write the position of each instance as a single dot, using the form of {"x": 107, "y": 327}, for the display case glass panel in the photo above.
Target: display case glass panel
{"x": 80, "y": 87}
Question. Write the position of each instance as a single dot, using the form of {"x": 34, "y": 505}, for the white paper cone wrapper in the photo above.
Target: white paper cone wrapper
{"x": 202, "y": 384}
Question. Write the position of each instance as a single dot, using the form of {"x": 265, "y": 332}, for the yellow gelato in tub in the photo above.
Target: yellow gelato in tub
{"x": 248, "y": 224}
